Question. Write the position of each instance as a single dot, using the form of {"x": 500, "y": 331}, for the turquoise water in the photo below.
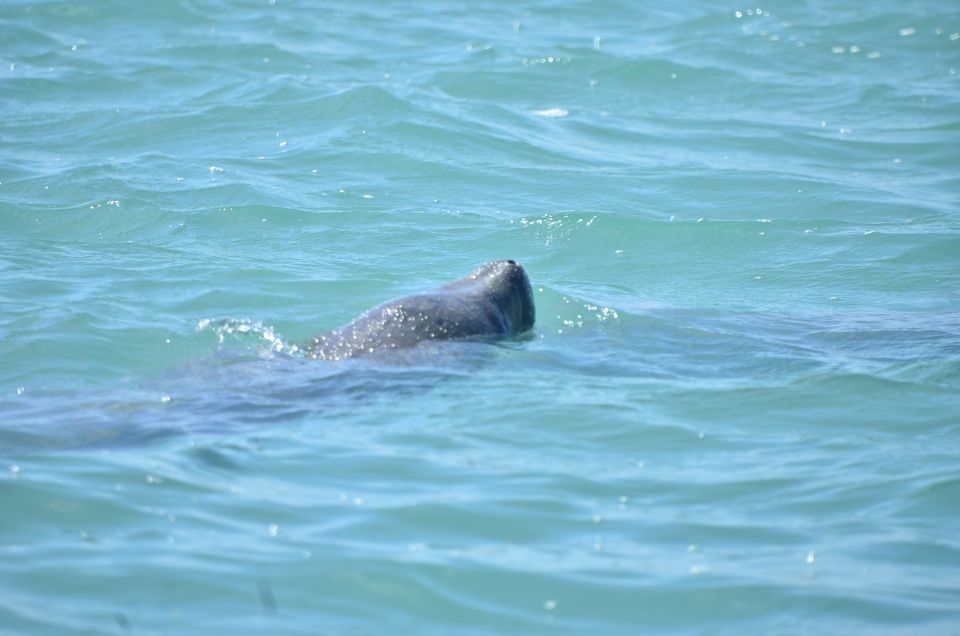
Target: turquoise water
{"x": 739, "y": 411}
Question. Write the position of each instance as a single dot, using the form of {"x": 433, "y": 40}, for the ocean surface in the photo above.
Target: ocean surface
{"x": 739, "y": 410}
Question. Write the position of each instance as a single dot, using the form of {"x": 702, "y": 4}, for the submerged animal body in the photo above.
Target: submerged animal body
{"x": 494, "y": 301}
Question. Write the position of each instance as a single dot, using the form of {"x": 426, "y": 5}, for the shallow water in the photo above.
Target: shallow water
{"x": 738, "y": 412}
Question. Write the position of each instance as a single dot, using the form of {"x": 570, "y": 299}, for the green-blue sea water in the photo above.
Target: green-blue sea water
{"x": 739, "y": 411}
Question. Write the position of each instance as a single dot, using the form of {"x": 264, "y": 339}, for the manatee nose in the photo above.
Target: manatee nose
{"x": 511, "y": 262}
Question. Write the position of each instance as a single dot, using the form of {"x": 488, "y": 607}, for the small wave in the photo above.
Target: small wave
{"x": 245, "y": 330}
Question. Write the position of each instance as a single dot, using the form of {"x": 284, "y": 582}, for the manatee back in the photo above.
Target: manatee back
{"x": 403, "y": 323}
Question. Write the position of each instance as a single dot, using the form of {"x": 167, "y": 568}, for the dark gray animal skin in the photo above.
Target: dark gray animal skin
{"x": 495, "y": 301}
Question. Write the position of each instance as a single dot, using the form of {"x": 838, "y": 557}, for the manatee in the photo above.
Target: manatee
{"x": 494, "y": 301}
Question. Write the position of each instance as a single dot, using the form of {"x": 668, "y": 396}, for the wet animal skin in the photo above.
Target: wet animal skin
{"x": 493, "y": 301}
